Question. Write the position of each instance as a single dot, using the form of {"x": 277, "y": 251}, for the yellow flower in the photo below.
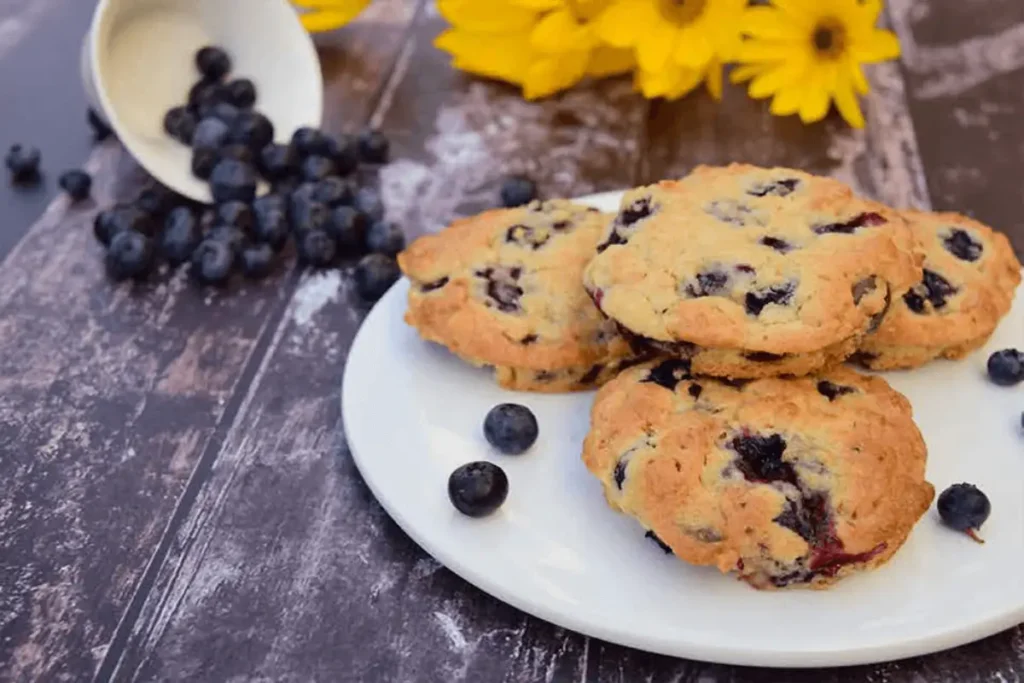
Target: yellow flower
{"x": 326, "y": 15}
{"x": 808, "y": 53}
{"x": 544, "y": 46}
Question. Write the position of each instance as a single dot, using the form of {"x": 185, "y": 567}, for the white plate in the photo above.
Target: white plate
{"x": 413, "y": 413}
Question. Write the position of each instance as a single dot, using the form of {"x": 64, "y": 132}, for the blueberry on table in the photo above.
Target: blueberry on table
{"x": 229, "y": 235}
{"x": 232, "y": 180}
{"x": 252, "y": 129}
{"x": 478, "y": 488}
{"x": 308, "y": 141}
{"x": 213, "y": 63}
{"x": 180, "y": 123}
{"x": 374, "y": 275}
{"x": 511, "y": 428}
{"x": 155, "y": 199}
{"x": 241, "y": 92}
{"x": 348, "y": 228}
{"x": 277, "y": 162}
{"x": 257, "y": 261}
{"x": 180, "y": 236}
{"x": 308, "y": 214}
{"x": 964, "y": 507}
{"x": 517, "y": 190}
{"x": 100, "y": 130}
{"x": 385, "y": 238}
{"x": 373, "y": 147}
{"x": 119, "y": 219}
{"x": 334, "y": 191}
{"x": 238, "y": 152}
{"x": 210, "y": 133}
{"x": 1006, "y": 367}
{"x": 316, "y": 248}
{"x": 203, "y": 161}
{"x": 344, "y": 152}
{"x": 368, "y": 202}
{"x": 272, "y": 225}
{"x": 130, "y": 255}
{"x": 212, "y": 262}
{"x": 77, "y": 184}
{"x": 23, "y": 163}
{"x": 315, "y": 168}
{"x": 237, "y": 214}
{"x": 270, "y": 202}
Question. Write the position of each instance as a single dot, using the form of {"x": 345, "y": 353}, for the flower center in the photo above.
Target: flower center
{"x": 585, "y": 10}
{"x": 681, "y": 12}
{"x": 829, "y": 38}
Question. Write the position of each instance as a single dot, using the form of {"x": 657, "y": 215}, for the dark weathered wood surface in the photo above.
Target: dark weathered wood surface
{"x": 178, "y": 500}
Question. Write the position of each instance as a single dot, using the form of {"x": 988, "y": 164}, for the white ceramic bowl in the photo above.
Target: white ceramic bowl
{"x": 138, "y": 62}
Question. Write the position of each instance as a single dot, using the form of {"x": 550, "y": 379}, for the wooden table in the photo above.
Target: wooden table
{"x": 178, "y": 502}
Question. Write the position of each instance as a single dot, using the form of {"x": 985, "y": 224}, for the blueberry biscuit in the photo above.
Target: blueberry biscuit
{"x": 970, "y": 275}
{"x": 504, "y": 289}
{"x": 787, "y": 482}
{"x": 751, "y": 272}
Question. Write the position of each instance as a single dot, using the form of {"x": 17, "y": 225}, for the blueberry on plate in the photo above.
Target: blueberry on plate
{"x": 316, "y": 248}
{"x": 232, "y": 180}
{"x": 344, "y": 152}
{"x": 77, "y": 184}
{"x": 315, "y": 168}
{"x": 334, "y": 191}
{"x": 241, "y": 92}
{"x": 130, "y": 255}
{"x": 369, "y": 203}
{"x": 120, "y": 218}
{"x": 271, "y": 226}
{"x": 180, "y": 236}
{"x": 229, "y": 235}
{"x": 309, "y": 215}
{"x": 511, "y": 428}
{"x": 257, "y": 261}
{"x": 203, "y": 161}
{"x": 517, "y": 190}
{"x": 223, "y": 111}
{"x": 1006, "y": 367}
{"x": 278, "y": 161}
{"x": 374, "y": 275}
{"x": 385, "y": 238}
{"x": 213, "y": 63}
{"x": 23, "y": 163}
{"x": 348, "y": 228}
{"x": 210, "y": 133}
{"x": 252, "y": 129}
{"x": 478, "y": 488}
{"x": 964, "y": 507}
{"x": 180, "y": 123}
{"x": 237, "y": 152}
{"x": 373, "y": 147}
{"x": 237, "y": 214}
{"x": 308, "y": 141}
{"x": 212, "y": 262}
{"x": 100, "y": 130}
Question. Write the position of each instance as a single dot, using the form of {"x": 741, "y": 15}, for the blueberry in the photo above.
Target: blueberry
{"x": 232, "y": 180}
{"x": 309, "y": 215}
{"x": 373, "y": 147}
{"x": 285, "y": 186}
{"x": 180, "y": 123}
{"x": 344, "y": 152}
{"x": 278, "y": 161}
{"x": 385, "y": 238}
{"x": 964, "y": 507}
{"x": 212, "y": 262}
{"x": 335, "y": 191}
{"x": 100, "y": 130}
{"x": 237, "y": 152}
{"x": 517, "y": 190}
{"x": 118, "y": 219}
{"x": 223, "y": 111}
{"x": 348, "y": 228}
{"x": 374, "y": 275}
{"x": 270, "y": 202}
{"x": 511, "y": 428}
{"x": 229, "y": 235}
{"x": 77, "y": 184}
{"x": 130, "y": 255}
{"x": 307, "y": 141}
{"x": 960, "y": 243}
{"x": 1006, "y": 367}
{"x": 241, "y": 92}
{"x": 203, "y": 161}
{"x": 155, "y": 199}
{"x": 180, "y": 236}
{"x": 207, "y": 220}
{"x": 257, "y": 261}
{"x": 478, "y": 488}
{"x": 252, "y": 129}
{"x": 211, "y": 133}
{"x": 271, "y": 223}
{"x": 213, "y": 63}
{"x": 368, "y": 202}
{"x": 23, "y": 163}
{"x": 315, "y": 168}
{"x": 316, "y": 248}
{"x": 236, "y": 214}
{"x": 203, "y": 96}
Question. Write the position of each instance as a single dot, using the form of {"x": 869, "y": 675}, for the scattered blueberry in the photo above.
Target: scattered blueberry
{"x": 210, "y": 133}
{"x": 374, "y": 275}
{"x": 373, "y": 147}
{"x": 118, "y": 219}
{"x": 77, "y": 184}
{"x": 385, "y": 238}
{"x": 23, "y": 163}
{"x": 155, "y": 199}
{"x": 252, "y": 129}
{"x": 303, "y": 194}
{"x": 307, "y": 141}
{"x": 236, "y": 214}
{"x": 315, "y": 168}
{"x": 241, "y": 92}
{"x": 348, "y": 228}
{"x": 232, "y": 180}
{"x": 203, "y": 161}
{"x": 1006, "y": 367}
{"x": 478, "y": 488}
{"x": 238, "y": 152}
{"x": 344, "y": 152}
{"x": 278, "y": 161}
{"x": 100, "y": 130}
{"x": 368, "y": 202}
{"x": 213, "y": 63}
{"x": 517, "y": 190}
{"x": 270, "y": 202}
{"x": 212, "y": 262}
{"x": 130, "y": 255}
{"x": 207, "y": 220}
{"x": 180, "y": 236}
{"x": 511, "y": 428}
{"x": 316, "y": 248}
{"x": 335, "y": 191}
{"x": 229, "y": 235}
{"x": 964, "y": 507}
{"x": 180, "y": 123}
{"x": 271, "y": 221}
{"x": 309, "y": 215}
{"x": 257, "y": 261}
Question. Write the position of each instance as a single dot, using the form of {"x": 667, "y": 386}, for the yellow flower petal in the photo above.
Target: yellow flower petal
{"x": 692, "y": 50}
{"x": 494, "y": 16}
{"x": 536, "y": 5}
{"x": 815, "y": 101}
{"x": 625, "y": 22}
{"x": 857, "y": 77}
{"x": 787, "y": 101}
{"x": 610, "y": 61}
{"x": 878, "y": 47}
{"x": 496, "y": 56}
{"x": 714, "y": 79}
{"x": 558, "y": 32}
{"x": 652, "y": 54}
{"x": 670, "y": 83}
{"x": 318, "y": 21}
{"x": 765, "y": 51}
{"x": 765, "y": 22}
{"x": 776, "y": 77}
{"x": 552, "y": 74}
{"x": 846, "y": 101}
{"x": 745, "y": 72}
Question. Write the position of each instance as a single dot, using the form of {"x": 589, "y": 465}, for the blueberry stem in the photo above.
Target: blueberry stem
{"x": 974, "y": 535}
